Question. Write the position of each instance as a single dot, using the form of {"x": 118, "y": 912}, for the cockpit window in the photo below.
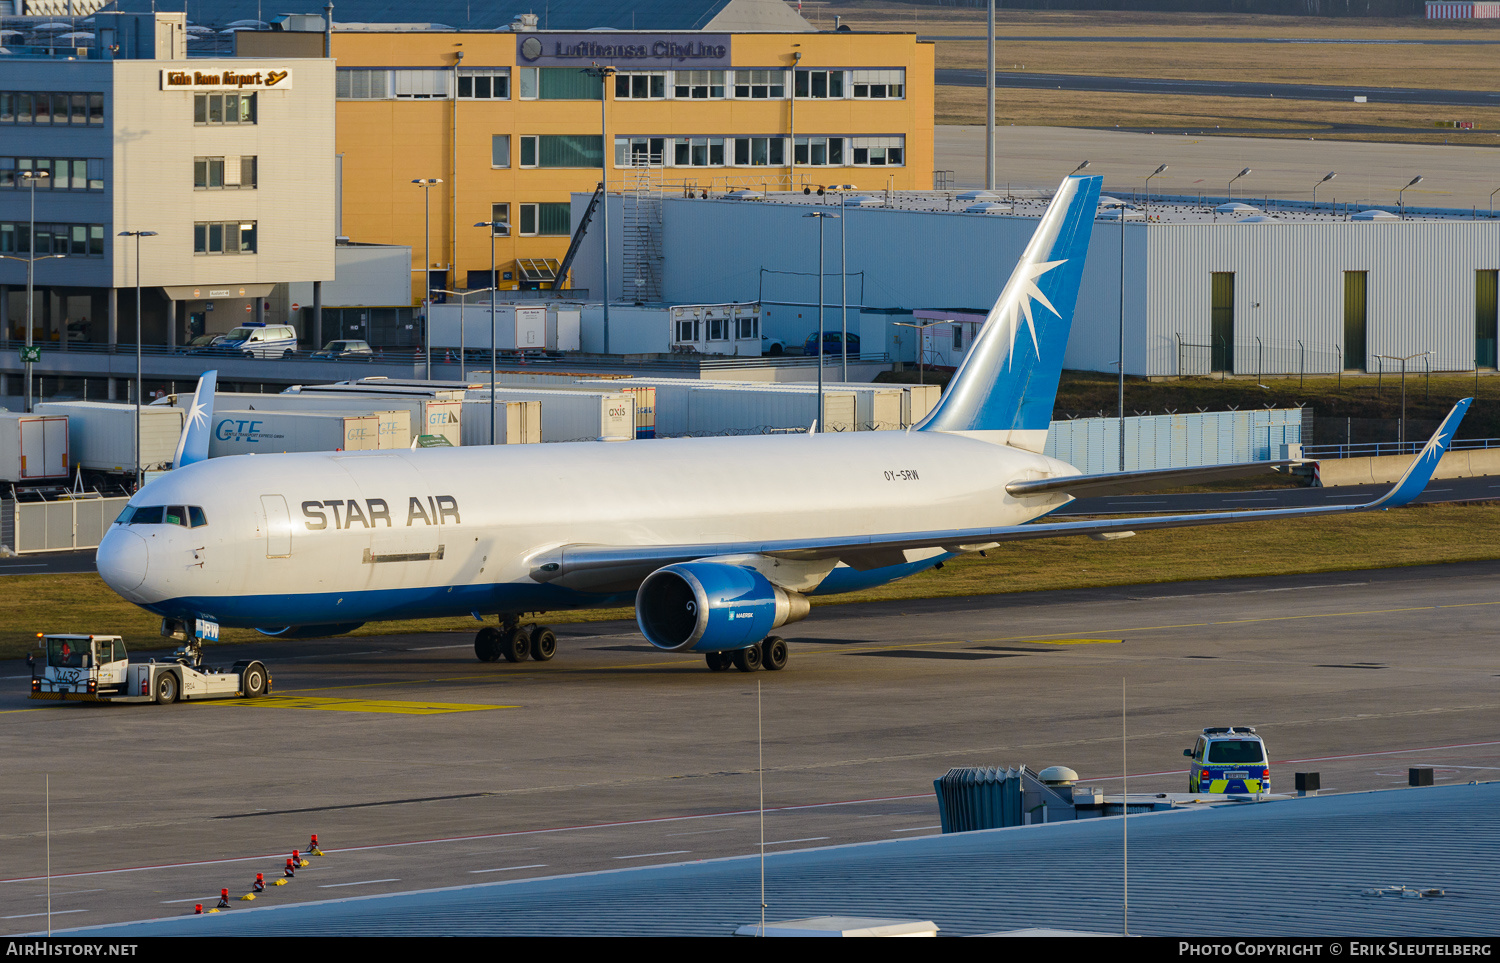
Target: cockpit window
{"x": 147, "y": 515}
{"x": 188, "y": 516}
{"x": 196, "y": 516}
{"x": 176, "y": 515}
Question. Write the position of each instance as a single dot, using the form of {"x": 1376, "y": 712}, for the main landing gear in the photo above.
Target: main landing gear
{"x": 515, "y": 642}
{"x": 769, "y": 653}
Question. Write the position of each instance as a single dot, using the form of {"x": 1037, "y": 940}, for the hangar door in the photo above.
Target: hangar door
{"x": 1354, "y": 319}
{"x": 1484, "y": 318}
{"x": 1221, "y": 329}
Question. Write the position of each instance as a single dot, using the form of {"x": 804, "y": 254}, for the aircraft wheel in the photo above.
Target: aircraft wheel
{"x": 718, "y": 661}
{"x": 487, "y": 645}
{"x": 773, "y": 653}
{"x": 543, "y": 644}
{"x": 166, "y": 689}
{"x": 515, "y": 644}
{"x": 747, "y": 660}
{"x": 253, "y": 680}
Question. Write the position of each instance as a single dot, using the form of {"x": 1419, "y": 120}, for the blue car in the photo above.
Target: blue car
{"x": 831, "y": 342}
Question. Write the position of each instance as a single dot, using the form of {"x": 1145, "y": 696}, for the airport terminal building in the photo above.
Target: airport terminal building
{"x": 224, "y": 164}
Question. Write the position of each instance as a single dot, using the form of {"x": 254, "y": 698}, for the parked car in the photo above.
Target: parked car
{"x": 257, "y": 340}
{"x": 1229, "y": 759}
{"x": 772, "y": 346}
{"x": 202, "y": 343}
{"x": 345, "y": 351}
{"x": 831, "y": 343}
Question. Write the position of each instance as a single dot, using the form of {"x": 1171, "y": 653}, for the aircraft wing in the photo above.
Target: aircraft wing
{"x": 614, "y": 568}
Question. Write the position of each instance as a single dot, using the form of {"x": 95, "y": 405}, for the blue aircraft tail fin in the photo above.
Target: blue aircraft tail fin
{"x": 192, "y": 446}
{"x": 1008, "y": 381}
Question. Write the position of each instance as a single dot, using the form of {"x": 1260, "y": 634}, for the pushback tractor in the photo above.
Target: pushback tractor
{"x": 96, "y": 668}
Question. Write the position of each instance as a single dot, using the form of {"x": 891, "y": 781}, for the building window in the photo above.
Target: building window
{"x": 422, "y": 84}
{"x": 698, "y": 84}
{"x": 491, "y": 84}
{"x": 820, "y": 84}
{"x": 500, "y": 150}
{"x": 878, "y": 84}
{"x": 562, "y": 150}
{"x": 29, "y": 107}
{"x": 224, "y": 237}
{"x": 500, "y": 217}
{"x": 651, "y": 85}
{"x": 640, "y": 151}
{"x": 215, "y": 109}
{"x": 63, "y": 173}
{"x": 69, "y": 240}
{"x": 559, "y": 83}
{"x": 698, "y": 152}
{"x": 760, "y": 151}
{"x": 878, "y": 151}
{"x": 819, "y": 152}
{"x": 224, "y": 173}
{"x": 355, "y": 84}
{"x": 546, "y": 220}
{"x": 760, "y": 84}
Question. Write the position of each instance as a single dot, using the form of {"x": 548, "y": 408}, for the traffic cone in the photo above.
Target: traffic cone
{"x": 288, "y": 872}
{"x": 312, "y": 847}
{"x": 260, "y": 882}
{"x": 223, "y": 899}
{"x": 297, "y": 859}
{"x": 197, "y": 909}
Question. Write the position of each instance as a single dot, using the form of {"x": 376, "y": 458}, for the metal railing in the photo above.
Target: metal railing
{"x": 1375, "y": 449}
{"x": 71, "y": 522}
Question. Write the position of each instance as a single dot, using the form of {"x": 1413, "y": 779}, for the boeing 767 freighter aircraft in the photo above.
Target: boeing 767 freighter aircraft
{"x": 716, "y": 541}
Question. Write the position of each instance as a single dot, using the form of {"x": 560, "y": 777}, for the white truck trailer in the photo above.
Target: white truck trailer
{"x": 582, "y": 415}
{"x": 96, "y": 668}
{"x": 101, "y": 436}
{"x": 33, "y": 448}
{"x": 267, "y": 432}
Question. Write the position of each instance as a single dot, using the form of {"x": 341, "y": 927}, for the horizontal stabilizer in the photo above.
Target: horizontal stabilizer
{"x": 1124, "y": 482}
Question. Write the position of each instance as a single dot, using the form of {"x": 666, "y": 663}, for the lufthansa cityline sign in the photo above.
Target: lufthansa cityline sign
{"x": 623, "y": 50}
{"x": 225, "y": 80}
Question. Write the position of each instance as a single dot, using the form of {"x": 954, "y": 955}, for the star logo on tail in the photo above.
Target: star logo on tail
{"x": 1010, "y": 313}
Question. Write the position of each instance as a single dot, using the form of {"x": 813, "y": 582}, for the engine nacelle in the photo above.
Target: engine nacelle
{"x": 712, "y": 607}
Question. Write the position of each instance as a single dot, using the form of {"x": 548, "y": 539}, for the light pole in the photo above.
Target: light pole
{"x": 463, "y": 303}
{"x": 921, "y": 337}
{"x": 1119, "y": 207}
{"x": 1235, "y": 178}
{"x": 1401, "y": 194}
{"x": 1492, "y": 201}
{"x": 1401, "y": 438}
{"x": 841, "y": 191}
{"x": 497, "y": 229}
{"x": 1148, "y": 190}
{"x": 427, "y": 183}
{"x": 33, "y": 177}
{"x": 138, "y": 339}
{"x": 1080, "y": 167}
{"x": 1326, "y": 178}
{"x": 605, "y": 150}
{"x": 821, "y": 216}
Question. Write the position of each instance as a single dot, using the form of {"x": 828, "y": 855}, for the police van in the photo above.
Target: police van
{"x": 256, "y": 339}
{"x": 1229, "y": 759}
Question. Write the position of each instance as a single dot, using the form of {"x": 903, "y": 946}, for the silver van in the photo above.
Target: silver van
{"x": 256, "y": 340}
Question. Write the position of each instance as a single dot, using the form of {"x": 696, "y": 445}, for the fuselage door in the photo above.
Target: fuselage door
{"x": 278, "y": 526}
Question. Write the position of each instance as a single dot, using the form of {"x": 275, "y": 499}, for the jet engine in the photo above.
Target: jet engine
{"x": 712, "y": 607}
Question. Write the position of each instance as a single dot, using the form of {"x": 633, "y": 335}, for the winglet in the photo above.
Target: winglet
{"x": 193, "y": 445}
{"x": 1420, "y": 472}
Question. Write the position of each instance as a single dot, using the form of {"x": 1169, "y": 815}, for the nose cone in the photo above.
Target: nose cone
{"x": 121, "y": 559}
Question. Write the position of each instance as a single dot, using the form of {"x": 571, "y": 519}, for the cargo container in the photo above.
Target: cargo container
{"x": 516, "y": 422}
{"x": 570, "y": 415}
{"x": 33, "y": 448}
{"x": 643, "y": 394}
{"x": 679, "y": 410}
{"x": 101, "y": 435}
{"x": 440, "y": 390}
{"x": 268, "y": 432}
{"x": 395, "y": 423}
{"x": 529, "y": 326}
{"x": 732, "y": 329}
{"x": 429, "y": 416}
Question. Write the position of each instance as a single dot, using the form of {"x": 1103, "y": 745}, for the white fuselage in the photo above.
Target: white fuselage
{"x": 455, "y": 530}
